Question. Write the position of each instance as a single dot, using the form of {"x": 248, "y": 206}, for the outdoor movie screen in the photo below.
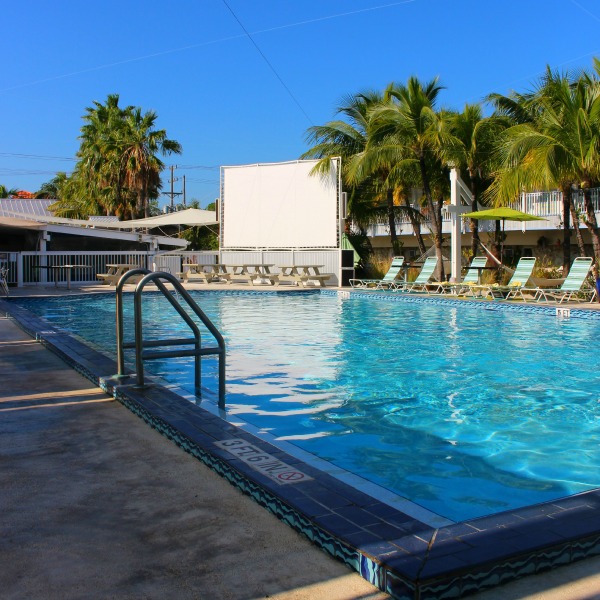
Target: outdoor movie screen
{"x": 279, "y": 205}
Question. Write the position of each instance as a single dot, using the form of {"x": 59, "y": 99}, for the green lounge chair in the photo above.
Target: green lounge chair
{"x": 471, "y": 278}
{"x": 389, "y": 278}
{"x": 423, "y": 278}
{"x": 575, "y": 286}
{"x": 517, "y": 283}
{"x": 4, "y": 281}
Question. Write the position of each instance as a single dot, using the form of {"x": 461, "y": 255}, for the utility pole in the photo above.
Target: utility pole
{"x": 172, "y": 194}
{"x": 184, "y": 204}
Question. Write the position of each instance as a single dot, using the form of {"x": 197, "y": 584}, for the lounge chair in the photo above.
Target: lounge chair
{"x": 423, "y": 278}
{"x": 4, "y": 281}
{"x": 516, "y": 285}
{"x": 575, "y": 286}
{"x": 388, "y": 280}
{"x": 471, "y": 278}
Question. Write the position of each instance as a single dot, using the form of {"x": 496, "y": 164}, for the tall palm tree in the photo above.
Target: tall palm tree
{"x": 377, "y": 188}
{"x": 118, "y": 171}
{"x": 99, "y": 170}
{"x": 381, "y": 162}
{"x": 473, "y": 154}
{"x": 559, "y": 147}
{"x": 345, "y": 138}
{"x": 412, "y": 130}
{"x": 138, "y": 150}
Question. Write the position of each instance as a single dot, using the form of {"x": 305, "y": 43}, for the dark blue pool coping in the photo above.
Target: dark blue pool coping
{"x": 395, "y": 552}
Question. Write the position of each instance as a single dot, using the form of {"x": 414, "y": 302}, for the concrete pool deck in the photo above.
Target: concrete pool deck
{"x": 96, "y": 518}
{"x": 96, "y": 504}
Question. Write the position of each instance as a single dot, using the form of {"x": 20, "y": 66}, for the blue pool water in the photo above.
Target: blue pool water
{"x": 464, "y": 411}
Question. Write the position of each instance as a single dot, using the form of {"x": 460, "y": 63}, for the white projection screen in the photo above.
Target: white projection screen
{"x": 279, "y": 205}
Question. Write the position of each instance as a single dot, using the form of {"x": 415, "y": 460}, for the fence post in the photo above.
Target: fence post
{"x": 19, "y": 269}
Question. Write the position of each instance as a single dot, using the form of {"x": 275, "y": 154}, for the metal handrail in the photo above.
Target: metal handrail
{"x": 141, "y": 354}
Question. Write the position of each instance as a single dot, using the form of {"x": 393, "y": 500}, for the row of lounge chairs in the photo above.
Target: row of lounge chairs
{"x": 575, "y": 287}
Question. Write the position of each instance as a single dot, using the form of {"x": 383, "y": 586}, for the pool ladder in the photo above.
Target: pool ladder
{"x": 141, "y": 346}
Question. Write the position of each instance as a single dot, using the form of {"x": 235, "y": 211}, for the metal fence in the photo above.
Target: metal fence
{"x": 35, "y": 268}
{"x": 32, "y": 268}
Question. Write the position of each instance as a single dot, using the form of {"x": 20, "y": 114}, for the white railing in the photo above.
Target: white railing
{"x": 31, "y": 268}
{"x": 541, "y": 204}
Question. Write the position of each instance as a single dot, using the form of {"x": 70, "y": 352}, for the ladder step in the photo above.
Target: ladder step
{"x": 176, "y": 353}
{"x": 169, "y": 342}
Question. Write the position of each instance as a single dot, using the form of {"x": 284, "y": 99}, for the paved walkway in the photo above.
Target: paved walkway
{"x": 95, "y": 504}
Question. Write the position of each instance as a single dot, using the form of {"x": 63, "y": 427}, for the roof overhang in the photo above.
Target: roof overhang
{"x": 20, "y": 224}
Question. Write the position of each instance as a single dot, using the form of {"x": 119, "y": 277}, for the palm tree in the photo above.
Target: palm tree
{"x": 99, "y": 170}
{"x": 381, "y": 164}
{"x": 477, "y": 137}
{"x": 345, "y": 138}
{"x": 6, "y": 192}
{"x": 410, "y": 129}
{"x": 52, "y": 189}
{"x": 138, "y": 150}
{"x": 118, "y": 171}
{"x": 559, "y": 147}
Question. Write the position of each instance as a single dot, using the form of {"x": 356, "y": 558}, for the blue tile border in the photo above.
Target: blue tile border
{"x": 494, "y": 305}
{"x": 396, "y": 553}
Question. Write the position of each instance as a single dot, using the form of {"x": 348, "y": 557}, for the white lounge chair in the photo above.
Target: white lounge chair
{"x": 471, "y": 278}
{"x": 388, "y": 280}
{"x": 423, "y": 278}
{"x": 575, "y": 286}
{"x": 517, "y": 283}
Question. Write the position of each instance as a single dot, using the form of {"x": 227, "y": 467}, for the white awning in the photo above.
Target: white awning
{"x": 190, "y": 216}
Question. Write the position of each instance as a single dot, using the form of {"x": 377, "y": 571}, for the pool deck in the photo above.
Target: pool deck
{"x": 100, "y": 522}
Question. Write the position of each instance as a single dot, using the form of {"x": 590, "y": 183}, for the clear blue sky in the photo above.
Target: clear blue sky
{"x": 227, "y": 102}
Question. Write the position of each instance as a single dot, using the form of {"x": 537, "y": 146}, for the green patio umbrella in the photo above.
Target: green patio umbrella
{"x": 503, "y": 213}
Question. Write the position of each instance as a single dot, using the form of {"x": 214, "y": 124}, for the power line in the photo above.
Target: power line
{"x": 287, "y": 89}
{"x": 200, "y": 45}
{"x": 23, "y": 172}
{"x": 36, "y": 156}
{"x": 196, "y": 180}
{"x": 207, "y": 168}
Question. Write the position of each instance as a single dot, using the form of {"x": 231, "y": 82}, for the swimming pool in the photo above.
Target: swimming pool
{"x": 465, "y": 412}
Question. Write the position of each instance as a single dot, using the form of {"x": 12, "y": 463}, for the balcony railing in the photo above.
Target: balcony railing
{"x": 540, "y": 204}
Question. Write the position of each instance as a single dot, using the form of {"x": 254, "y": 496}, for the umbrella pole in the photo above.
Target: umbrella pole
{"x": 502, "y": 243}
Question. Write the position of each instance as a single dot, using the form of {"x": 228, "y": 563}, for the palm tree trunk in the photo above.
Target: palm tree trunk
{"x": 139, "y": 206}
{"x": 396, "y": 244}
{"x": 436, "y": 221}
{"x": 566, "y": 243}
{"x": 578, "y": 236}
{"x": 416, "y": 227}
{"x": 474, "y": 223}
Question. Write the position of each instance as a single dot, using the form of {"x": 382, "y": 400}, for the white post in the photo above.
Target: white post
{"x": 455, "y": 227}
{"x": 43, "y": 257}
{"x": 458, "y": 192}
{"x": 20, "y": 259}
